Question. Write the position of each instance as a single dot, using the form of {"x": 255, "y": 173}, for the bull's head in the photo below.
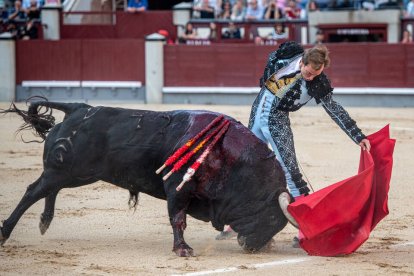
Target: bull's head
{"x": 251, "y": 195}
{"x": 255, "y": 241}
{"x": 266, "y": 223}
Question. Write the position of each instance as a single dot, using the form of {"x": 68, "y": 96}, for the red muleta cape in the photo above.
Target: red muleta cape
{"x": 338, "y": 219}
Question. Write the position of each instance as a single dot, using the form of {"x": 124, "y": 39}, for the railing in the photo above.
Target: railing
{"x": 125, "y": 25}
{"x": 295, "y": 29}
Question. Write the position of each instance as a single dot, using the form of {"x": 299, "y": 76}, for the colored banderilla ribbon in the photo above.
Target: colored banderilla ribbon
{"x": 191, "y": 170}
{"x": 177, "y": 154}
{"x": 183, "y": 160}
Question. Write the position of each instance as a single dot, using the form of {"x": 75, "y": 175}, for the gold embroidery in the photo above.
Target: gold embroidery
{"x": 281, "y": 86}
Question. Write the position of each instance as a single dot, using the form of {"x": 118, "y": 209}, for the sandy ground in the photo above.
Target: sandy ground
{"x": 94, "y": 232}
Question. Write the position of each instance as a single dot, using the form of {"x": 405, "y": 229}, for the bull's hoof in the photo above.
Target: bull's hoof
{"x": 242, "y": 242}
{"x": 43, "y": 224}
{"x": 184, "y": 251}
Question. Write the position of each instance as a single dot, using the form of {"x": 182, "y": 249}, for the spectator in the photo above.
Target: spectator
{"x": 292, "y": 10}
{"x": 33, "y": 11}
{"x": 213, "y": 31}
{"x": 30, "y": 30}
{"x": 407, "y": 37}
{"x": 189, "y": 33}
{"x": 278, "y": 32}
{"x": 272, "y": 11}
{"x": 204, "y": 9}
{"x": 232, "y": 32}
{"x": 320, "y": 37}
{"x": 238, "y": 11}
{"x": 27, "y": 4}
{"x": 137, "y": 6}
{"x": 225, "y": 10}
{"x": 409, "y": 12}
{"x": 17, "y": 13}
{"x": 254, "y": 11}
{"x": 311, "y": 6}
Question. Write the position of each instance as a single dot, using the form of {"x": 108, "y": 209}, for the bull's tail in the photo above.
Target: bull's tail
{"x": 41, "y": 120}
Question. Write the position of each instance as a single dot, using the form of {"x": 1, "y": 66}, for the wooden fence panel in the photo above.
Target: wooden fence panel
{"x": 67, "y": 60}
{"x": 230, "y": 65}
{"x": 113, "y": 60}
{"x": 48, "y": 60}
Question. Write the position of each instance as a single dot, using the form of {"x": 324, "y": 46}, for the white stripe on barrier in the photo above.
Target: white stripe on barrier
{"x": 51, "y": 84}
{"x": 255, "y": 266}
{"x": 255, "y": 90}
{"x": 88, "y": 84}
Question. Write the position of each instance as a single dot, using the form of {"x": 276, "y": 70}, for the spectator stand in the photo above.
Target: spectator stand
{"x": 249, "y": 30}
{"x": 347, "y": 19}
{"x": 354, "y": 32}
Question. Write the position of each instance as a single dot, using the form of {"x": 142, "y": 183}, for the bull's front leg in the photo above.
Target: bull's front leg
{"x": 177, "y": 212}
{"x": 181, "y": 248}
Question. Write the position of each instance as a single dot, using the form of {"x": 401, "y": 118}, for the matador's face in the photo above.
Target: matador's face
{"x": 308, "y": 72}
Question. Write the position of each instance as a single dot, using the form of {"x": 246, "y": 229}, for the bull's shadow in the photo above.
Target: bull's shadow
{"x": 239, "y": 183}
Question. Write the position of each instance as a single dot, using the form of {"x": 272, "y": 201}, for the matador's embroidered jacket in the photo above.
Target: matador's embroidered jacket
{"x": 282, "y": 77}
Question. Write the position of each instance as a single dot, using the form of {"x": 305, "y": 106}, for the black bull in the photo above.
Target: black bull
{"x": 239, "y": 184}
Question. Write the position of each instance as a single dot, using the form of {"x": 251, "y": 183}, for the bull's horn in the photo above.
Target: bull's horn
{"x": 284, "y": 201}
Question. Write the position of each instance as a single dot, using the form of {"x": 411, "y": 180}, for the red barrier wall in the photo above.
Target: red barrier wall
{"x": 214, "y": 65}
{"x": 47, "y": 60}
{"x": 353, "y": 65}
{"x": 100, "y": 60}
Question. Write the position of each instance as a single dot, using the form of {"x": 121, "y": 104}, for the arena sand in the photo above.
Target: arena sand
{"x": 95, "y": 233}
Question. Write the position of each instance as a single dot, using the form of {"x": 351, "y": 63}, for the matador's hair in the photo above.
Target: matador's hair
{"x": 316, "y": 56}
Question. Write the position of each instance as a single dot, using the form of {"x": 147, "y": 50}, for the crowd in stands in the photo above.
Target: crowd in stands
{"x": 238, "y": 10}
{"x": 287, "y": 9}
{"x": 233, "y": 11}
{"x": 21, "y": 18}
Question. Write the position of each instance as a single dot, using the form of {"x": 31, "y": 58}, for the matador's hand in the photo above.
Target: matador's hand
{"x": 365, "y": 144}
